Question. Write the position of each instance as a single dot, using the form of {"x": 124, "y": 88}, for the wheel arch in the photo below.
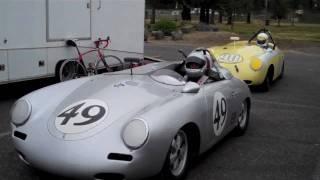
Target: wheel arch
{"x": 193, "y": 132}
{"x": 271, "y": 71}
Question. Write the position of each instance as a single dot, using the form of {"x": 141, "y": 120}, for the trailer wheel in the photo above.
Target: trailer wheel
{"x": 71, "y": 69}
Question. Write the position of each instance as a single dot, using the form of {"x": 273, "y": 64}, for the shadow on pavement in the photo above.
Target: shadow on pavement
{"x": 17, "y": 90}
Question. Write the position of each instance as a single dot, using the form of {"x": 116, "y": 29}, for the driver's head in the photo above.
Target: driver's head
{"x": 262, "y": 39}
{"x": 196, "y": 64}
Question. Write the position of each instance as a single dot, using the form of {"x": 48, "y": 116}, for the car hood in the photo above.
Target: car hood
{"x": 124, "y": 97}
{"x": 242, "y": 49}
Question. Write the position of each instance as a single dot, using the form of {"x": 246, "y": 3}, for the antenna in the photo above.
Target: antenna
{"x": 132, "y": 60}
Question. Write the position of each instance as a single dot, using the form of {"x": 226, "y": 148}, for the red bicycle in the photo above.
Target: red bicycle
{"x": 76, "y": 68}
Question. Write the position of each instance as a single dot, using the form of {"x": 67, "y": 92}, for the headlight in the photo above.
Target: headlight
{"x": 20, "y": 112}
{"x": 135, "y": 134}
{"x": 256, "y": 64}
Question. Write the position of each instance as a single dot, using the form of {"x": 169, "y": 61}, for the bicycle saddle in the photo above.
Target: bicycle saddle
{"x": 71, "y": 43}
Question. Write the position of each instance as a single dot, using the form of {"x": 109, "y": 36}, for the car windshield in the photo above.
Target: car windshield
{"x": 168, "y": 77}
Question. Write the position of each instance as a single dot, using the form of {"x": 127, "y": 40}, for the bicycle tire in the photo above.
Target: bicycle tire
{"x": 107, "y": 59}
{"x": 71, "y": 69}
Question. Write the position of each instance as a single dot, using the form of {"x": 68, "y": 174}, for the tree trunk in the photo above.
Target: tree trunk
{"x": 186, "y": 13}
{"x": 153, "y": 15}
{"x": 207, "y": 16}
{"x": 220, "y": 17}
{"x": 230, "y": 19}
{"x": 212, "y": 21}
{"x": 249, "y": 18}
{"x": 202, "y": 14}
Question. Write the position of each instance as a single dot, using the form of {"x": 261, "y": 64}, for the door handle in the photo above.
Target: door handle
{"x": 41, "y": 63}
{"x": 2, "y": 67}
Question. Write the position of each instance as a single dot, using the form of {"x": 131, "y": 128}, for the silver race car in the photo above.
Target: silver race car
{"x": 131, "y": 124}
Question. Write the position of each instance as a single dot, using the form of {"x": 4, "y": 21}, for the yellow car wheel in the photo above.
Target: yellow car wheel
{"x": 266, "y": 85}
{"x": 282, "y": 72}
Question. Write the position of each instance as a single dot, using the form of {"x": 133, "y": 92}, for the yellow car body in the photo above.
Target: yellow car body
{"x": 250, "y": 62}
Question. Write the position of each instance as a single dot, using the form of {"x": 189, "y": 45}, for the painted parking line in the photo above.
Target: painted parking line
{"x": 302, "y": 106}
{"x": 4, "y": 134}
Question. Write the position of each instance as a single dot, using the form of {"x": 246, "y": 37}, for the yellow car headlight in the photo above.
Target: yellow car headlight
{"x": 256, "y": 64}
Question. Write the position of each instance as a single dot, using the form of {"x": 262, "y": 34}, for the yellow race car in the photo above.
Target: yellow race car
{"x": 258, "y": 62}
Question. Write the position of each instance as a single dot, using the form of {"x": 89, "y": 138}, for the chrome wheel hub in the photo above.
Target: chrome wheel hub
{"x": 178, "y": 153}
{"x": 243, "y": 116}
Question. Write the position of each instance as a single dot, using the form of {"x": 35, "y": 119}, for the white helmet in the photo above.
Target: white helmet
{"x": 262, "y": 39}
{"x": 197, "y": 63}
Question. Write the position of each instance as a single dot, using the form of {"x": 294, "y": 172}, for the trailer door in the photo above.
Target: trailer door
{"x": 68, "y": 19}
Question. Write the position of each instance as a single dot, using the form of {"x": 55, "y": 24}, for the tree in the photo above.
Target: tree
{"x": 155, "y": 4}
{"x": 205, "y": 6}
{"x": 186, "y": 9}
{"x": 247, "y": 6}
{"x": 230, "y": 7}
{"x": 280, "y": 9}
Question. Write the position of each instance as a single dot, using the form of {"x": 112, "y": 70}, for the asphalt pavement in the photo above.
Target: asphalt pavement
{"x": 282, "y": 141}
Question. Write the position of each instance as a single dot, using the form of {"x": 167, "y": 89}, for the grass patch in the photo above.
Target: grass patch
{"x": 300, "y": 32}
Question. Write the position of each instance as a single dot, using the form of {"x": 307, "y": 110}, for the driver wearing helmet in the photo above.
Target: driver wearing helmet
{"x": 197, "y": 65}
{"x": 262, "y": 40}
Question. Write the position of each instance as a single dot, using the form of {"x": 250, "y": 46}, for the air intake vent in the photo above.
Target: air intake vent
{"x": 20, "y": 135}
{"x": 119, "y": 157}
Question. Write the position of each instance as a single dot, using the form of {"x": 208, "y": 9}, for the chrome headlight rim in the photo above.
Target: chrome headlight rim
{"x": 146, "y": 131}
{"x": 27, "y": 115}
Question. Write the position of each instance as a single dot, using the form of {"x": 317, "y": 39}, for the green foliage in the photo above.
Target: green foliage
{"x": 279, "y": 9}
{"x": 166, "y": 26}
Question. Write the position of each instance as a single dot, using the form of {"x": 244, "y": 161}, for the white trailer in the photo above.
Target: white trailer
{"x": 33, "y": 33}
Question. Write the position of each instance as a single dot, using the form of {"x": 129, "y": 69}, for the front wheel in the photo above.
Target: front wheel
{"x": 178, "y": 157}
{"x": 243, "y": 119}
{"x": 71, "y": 69}
{"x": 102, "y": 64}
{"x": 282, "y": 71}
{"x": 266, "y": 85}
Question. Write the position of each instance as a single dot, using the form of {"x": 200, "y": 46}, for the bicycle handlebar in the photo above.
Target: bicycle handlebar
{"x": 101, "y": 41}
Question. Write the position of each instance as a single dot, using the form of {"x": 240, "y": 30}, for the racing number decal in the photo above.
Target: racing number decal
{"x": 81, "y": 116}
{"x": 219, "y": 113}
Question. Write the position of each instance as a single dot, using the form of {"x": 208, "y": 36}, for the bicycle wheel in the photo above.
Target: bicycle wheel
{"x": 101, "y": 68}
{"x": 71, "y": 69}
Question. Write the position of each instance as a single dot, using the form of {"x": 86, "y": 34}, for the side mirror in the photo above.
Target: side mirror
{"x": 191, "y": 87}
{"x": 225, "y": 73}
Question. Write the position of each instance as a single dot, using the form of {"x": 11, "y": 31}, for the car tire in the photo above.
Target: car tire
{"x": 243, "y": 119}
{"x": 266, "y": 85}
{"x": 282, "y": 71}
{"x": 178, "y": 158}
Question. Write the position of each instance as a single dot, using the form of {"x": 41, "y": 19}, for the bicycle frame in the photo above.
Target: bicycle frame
{"x": 96, "y": 49}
